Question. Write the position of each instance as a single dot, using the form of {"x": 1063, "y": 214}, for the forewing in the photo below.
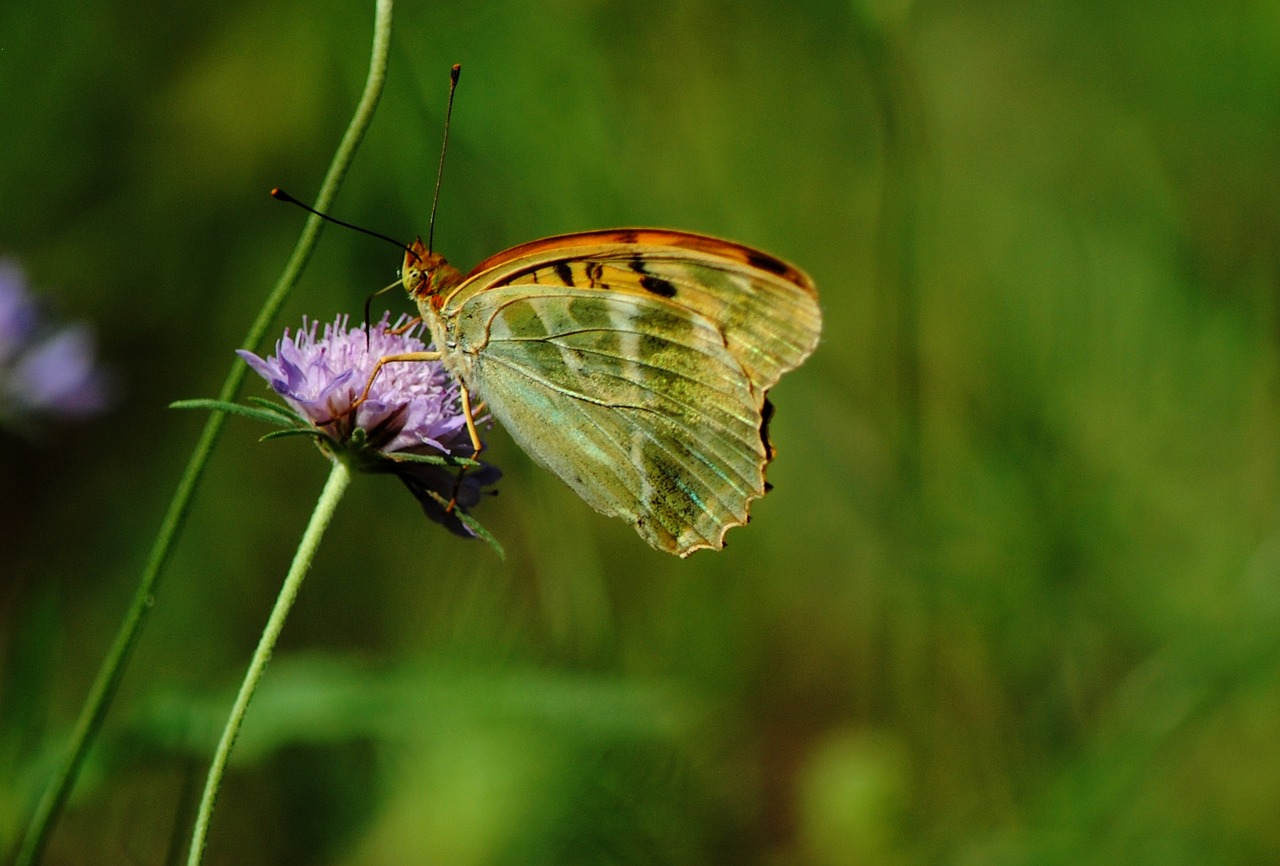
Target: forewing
{"x": 765, "y": 309}
{"x": 637, "y": 405}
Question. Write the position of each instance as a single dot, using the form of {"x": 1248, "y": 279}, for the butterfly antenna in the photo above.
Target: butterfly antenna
{"x": 281, "y": 195}
{"x": 444, "y": 144}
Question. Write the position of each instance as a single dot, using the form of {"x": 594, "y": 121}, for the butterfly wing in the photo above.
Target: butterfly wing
{"x": 634, "y": 365}
{"x": 766, "y": 308}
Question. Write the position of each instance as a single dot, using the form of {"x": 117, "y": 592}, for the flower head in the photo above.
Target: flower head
{"x": 413, "y": 408}
{"x": 45, "y": 371}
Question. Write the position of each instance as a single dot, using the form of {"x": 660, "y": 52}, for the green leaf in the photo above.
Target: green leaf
{"x": 482, "y": 533}
{"x": 437, "y": 460}
{"x": 471, "y": 523}
{"x": 272, "y": 406}
{"x": 327, "y": 698}
{"x": 292, "y": 431}
{"x": 234, "y": 409}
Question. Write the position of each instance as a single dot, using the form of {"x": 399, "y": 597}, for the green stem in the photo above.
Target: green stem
{"x": 109, "y": 676}
{"x": 339, "y": 478}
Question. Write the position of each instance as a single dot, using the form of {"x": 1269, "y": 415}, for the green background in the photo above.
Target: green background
{"x": 1014, "y": 599}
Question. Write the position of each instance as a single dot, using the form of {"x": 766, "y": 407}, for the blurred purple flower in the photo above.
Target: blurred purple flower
{"x": 45, "y": 371}
{"x": 413, "y": 408}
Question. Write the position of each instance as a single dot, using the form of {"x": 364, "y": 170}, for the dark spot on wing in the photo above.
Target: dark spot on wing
{"x": 595, "y": 271}
{"x": 627, "y": 237}
{"x": 658, "y": 286}
{"x": 766, "y": 262}
{"x": 766, "y": 414}
{"x": 564, "y": 273}
{"x": 637, "y": 265}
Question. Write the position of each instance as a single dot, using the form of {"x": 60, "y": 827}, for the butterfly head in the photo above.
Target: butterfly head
{"x": 426, "y": 276}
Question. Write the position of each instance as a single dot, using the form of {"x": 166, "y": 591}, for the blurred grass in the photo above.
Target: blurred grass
{"x": 1014, "y": 599}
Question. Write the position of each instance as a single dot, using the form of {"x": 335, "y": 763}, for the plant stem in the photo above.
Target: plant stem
{"x": 339, "y": 478}
{"x": 110, "y": 674}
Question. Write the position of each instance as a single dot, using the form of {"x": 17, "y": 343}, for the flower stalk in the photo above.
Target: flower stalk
{"x": 110, "y": 674}
{"x": 339, "y": 478}
{"x": 407, "y": 421}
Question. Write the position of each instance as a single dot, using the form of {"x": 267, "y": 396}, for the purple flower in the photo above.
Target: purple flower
{"x": 45, "y": 371}
{"x": 413, "y": 408}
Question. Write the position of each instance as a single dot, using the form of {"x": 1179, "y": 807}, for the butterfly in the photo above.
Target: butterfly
{"x": 635, "y": 364}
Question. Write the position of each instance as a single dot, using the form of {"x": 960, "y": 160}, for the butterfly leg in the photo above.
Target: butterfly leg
{"x": 377, "y": 368}
{"x": 468, "y": 415}
{"x": 406, "y": 327}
